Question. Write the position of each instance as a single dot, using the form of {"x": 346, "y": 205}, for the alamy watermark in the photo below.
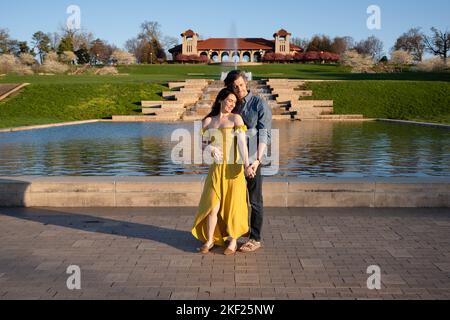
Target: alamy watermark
{"x": 374, "y": 281}
{"x": 374, "y": 19}
{"x": 74, "y": 280}
{"x": 73, "y": 22}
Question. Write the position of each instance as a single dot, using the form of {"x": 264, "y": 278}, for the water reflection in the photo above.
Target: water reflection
{"x": 307, "y": 149}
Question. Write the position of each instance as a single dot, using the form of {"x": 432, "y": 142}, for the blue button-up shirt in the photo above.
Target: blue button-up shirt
{"x": 257, "y": 115}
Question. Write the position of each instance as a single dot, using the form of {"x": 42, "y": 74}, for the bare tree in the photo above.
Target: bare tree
{"x": 100, "y": 51}
{"x": 438, "y": 43}
{"x": 8, "y": 45}
{"x": 4, "y": 40}
{"x": 319, "y": 43}
{"x": 299, "y": 42}
{"x": 82, "y": 39}
{"x": 168, "y": 43}
{"x": 342, "y": 44}
{"x": 148, "y": 47}
{"x": 412, "y": 42}
{"x": 55, "y": 39}
{"x": 372, "y": 46}
{"x": 150, "y": 30}
{"x": 132, "y": 46}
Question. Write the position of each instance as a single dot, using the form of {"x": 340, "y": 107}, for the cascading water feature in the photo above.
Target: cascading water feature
{"x": 232, "y": 45}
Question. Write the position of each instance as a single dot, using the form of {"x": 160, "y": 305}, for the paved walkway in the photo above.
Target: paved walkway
{"x": 150, "y": 254}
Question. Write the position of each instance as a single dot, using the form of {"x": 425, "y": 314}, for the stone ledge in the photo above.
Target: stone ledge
{"x": 185, "y": 191}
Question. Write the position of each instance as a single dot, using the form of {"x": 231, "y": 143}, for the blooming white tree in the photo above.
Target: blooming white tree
{"x": 123, "y": 57}
{"x": 401, "y": 57}
{"x": 358, "y": 62}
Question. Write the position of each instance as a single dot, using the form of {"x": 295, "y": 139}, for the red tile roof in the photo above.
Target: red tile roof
{"x": 188, "y": 33}
{"x": 282, "y": 33}
{"x": 239, "y": 44}
{"x": 235, "y": 43}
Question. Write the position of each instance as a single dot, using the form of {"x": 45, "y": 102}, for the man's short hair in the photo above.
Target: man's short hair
{"x": 233, "y": 76}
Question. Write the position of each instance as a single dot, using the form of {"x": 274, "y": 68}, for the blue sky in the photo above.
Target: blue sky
{"x": 117, "y": 21}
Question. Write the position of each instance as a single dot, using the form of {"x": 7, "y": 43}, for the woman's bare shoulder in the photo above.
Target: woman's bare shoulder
{"x": 207, "y": 122}
{"x": 238, "y": 121}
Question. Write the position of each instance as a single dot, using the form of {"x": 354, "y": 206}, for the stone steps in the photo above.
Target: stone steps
{"x": 292, "y": 96}
{"x": 311, "y": 104}
{"x": 195, "y": 97}
{"x": 161, "y": 104}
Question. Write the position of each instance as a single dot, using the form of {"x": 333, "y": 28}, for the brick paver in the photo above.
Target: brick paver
{"x": 150, "y": 254}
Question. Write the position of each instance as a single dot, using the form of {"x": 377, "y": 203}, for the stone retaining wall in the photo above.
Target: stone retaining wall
{"x": 186, "y": 192}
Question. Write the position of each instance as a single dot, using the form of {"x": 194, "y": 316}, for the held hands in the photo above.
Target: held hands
{"x": 250, "y": 171}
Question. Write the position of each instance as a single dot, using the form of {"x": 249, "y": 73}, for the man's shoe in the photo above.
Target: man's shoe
{"x": 251, "y": 246}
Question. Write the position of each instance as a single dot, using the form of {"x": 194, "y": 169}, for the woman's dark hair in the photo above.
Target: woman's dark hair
{"x": 223, "y": 94}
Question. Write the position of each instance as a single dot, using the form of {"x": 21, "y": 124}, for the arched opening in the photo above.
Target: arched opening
{"x": 204, "y": 54}
{"x": 247, "y": 57}
{"x": 257, "y": 57}
{"x": 236, "y": 57}
{"x": 225, "y": 57}
{"x": 215, "y": 57}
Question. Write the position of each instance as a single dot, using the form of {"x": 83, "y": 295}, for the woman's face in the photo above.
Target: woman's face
{"x": 229, "y": 104}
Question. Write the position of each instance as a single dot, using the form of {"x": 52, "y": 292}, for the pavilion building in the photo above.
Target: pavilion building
{"x": 241, "y": 50}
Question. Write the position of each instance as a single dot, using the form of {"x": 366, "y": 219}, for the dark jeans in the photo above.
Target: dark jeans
{"x": 254, "y": 187}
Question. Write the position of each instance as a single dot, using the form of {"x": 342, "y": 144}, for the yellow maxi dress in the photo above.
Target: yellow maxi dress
{"x": 225, "y": 184}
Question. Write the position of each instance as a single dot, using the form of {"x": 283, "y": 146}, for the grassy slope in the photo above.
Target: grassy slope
{"x": 50, "y": 103}
{"x": 405, "y": 100}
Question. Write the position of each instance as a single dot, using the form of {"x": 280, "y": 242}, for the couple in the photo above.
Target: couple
{"x": 223, "y": 215}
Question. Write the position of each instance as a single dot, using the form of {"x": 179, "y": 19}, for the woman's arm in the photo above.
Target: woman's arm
{"x": 207, "y": 146}
{"x": 205, "y": 126}
{"x": 242, "y": 141}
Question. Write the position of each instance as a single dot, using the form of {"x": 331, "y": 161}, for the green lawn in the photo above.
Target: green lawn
{"x": 50, "y": 99}
{"x": 403, "y": 100}
{"x": 52, "y": 103}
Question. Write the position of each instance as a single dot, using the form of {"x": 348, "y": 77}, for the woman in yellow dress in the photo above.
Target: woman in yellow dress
{"x": 223, "y": 211}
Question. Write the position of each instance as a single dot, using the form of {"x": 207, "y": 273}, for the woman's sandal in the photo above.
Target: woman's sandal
{"x": 205, "y": 249}
{"x": 229, "y": 252}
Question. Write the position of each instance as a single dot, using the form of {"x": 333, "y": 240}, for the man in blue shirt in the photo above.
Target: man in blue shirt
{"x": 257, "y": 116}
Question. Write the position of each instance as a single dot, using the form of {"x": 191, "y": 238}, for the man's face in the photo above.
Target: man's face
{"x": 240, "y": 88}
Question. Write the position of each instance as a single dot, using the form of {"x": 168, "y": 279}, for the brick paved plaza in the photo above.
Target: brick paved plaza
{"x": 150, "y": 254}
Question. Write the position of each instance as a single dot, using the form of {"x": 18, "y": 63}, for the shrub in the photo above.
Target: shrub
{"x": 51, "y": 56}
{"x": 68, "y": 57}
{"x": 107, "y": 71}
{"x": 316, "y": 56}
{"x": 27, "y": 59}
{"x": 12, "y": 65}
{"x": 435, "y": 64}
{"x": 269, "y": 57}
{"x": 51, "y": 66}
